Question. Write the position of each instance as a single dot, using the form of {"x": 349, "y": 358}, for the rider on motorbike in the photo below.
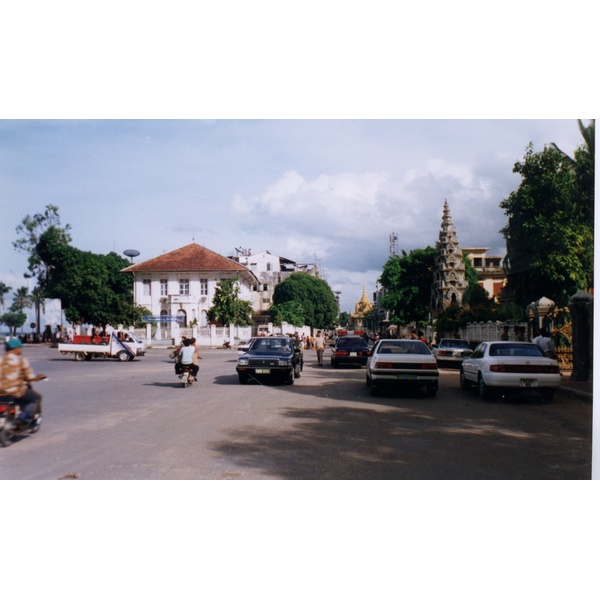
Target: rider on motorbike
{"x": 15, "y": 376}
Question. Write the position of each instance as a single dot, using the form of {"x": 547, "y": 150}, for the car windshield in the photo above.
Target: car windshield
{"x": 515, "y": 350}
{"x": 351, "y": 341}
{"x": 455, "y": 344}
{"x": 271, "y": 346}
{"x": 403, "y": 348}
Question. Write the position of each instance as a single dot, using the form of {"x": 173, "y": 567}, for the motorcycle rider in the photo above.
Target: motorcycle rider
{"x": 16, "y": 375}
{"x": 188, "y": 353}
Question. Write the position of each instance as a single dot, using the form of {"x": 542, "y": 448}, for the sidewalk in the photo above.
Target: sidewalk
{"x": 582, "y": 389}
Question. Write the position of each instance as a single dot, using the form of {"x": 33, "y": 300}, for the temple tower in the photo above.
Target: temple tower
{"x": 449, "y": 282}
{"x": 361, "y": 308}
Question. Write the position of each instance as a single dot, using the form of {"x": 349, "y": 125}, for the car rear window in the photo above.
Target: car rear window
{"x": 515, "y": 350}
{"x": 357, "y": 341}
{"x": 454, "y": 344}
{"x": 403, "y": 348}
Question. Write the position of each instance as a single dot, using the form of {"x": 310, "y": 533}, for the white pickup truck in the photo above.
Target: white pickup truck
{"x": 84, "y": 348}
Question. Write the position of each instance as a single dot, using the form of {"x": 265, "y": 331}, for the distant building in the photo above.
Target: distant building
{"x": 449, "y": 282}
{"x": 269, "y": 271}
{"x": 490, "y": 273}
{"x": 182, "y": 283}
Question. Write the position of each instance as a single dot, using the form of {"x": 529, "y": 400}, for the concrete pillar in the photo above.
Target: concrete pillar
{"x": 581, "y": 307}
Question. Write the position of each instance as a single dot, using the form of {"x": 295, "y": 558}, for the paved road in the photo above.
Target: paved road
{"x": 109, "y": 420}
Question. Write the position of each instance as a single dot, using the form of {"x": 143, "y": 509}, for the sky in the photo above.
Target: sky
{"x": 312, "y": 190}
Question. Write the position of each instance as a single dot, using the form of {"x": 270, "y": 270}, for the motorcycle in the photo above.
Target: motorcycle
{"x": 14, "y": 422}
{"x": 186, "y": 375}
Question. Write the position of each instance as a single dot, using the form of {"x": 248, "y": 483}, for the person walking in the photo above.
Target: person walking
{"x": 319, "y": 347}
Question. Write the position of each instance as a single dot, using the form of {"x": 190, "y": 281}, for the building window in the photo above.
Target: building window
{"x": 268, "y": 266}
{"x": 204, "y": 287}
{"x": 147, "y": 287}
{"x": 265, "y": 287}
{"x": 164, "y": 287}
{"x": 184, "y": 287}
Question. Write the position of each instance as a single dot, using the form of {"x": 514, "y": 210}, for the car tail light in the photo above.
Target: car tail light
{"x": 342, "y": 353}
{"x": 524, "y": 369}
{"x": 384, "y": 365}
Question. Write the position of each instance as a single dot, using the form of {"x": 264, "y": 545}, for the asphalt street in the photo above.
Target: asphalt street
{"x": 105, "y": 419}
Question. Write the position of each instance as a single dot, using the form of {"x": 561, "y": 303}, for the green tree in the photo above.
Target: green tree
{"x": 21, "y": 300}
{"x": 407, "y": 280}
{"x": 227, "y": 306}
{"x": 288, "y": 312}
{"x": 4, "y": 289}
{"x": 549, "y": 234}
{"x": 313, "y": 294}
{"x": 30, "y": 231}
{"x": 91, "y": 287}
{"x": 13, "y": 320}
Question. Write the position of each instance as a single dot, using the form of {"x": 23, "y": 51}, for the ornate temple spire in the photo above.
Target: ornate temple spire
{"x": 449, "y": 282}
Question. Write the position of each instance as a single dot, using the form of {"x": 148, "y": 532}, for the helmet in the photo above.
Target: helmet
{"x": 13, "y": 343}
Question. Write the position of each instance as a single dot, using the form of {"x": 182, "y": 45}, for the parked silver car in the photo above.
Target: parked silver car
{"x": 451, "y": 352}
{"x": 402, "y": 363}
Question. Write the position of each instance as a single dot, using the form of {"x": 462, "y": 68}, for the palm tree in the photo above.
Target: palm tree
{"x": 589, "y": 137}
{"x": 22, "y": 300}
{"x": 4, "y": 289}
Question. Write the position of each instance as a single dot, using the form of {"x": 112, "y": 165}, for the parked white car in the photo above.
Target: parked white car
{"x": 402, "y": 363}
{"x": 243, "y": 346}
{"x": 510, "y": 366}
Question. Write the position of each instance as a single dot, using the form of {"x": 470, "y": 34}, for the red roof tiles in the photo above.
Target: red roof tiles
{"x": 192, "y": 257}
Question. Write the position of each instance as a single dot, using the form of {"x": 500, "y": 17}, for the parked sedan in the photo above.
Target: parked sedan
{"x": 270, "y": 358}
{"x": 450, "y": 352}
{"x": 510, "y": 366}
{"x": 350, "y": 350}
{"x": 243, "y": 346}
{"x": 402, "y": 363}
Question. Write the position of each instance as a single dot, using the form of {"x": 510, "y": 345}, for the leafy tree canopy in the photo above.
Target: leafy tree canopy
{"x": 313, "y": 294}
{"x": 227, "y": 306}
{"x": 91, "y": 287}
{"x": 288, "y": 312}
{"x": 407, "y": 280}
{"x": 550, "y": 230}
{"x": 30, "y": 232}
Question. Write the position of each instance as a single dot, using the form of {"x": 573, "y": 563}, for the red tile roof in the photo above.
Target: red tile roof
{"x": 192, "y": 257}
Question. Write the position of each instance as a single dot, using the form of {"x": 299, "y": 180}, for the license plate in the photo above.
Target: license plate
{"x": 403, "y": 376}
{"x": 529, "y": 382}
{"x": 263, "y": 371}
{"x": 353, "y": 353}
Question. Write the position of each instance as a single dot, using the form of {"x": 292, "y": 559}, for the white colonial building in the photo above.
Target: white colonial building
{"x": 181, "y": 284}
{"x": 269, "y": 270}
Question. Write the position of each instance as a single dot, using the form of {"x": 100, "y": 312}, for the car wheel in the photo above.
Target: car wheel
{"x": 291, "y": 377}
{"x": 465, "y": 384}
{"x": 297, "y": 371}
{"x": 368, "y": 380}
{"x": 484, "y": 390}
{"x": 243, "y": 377}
